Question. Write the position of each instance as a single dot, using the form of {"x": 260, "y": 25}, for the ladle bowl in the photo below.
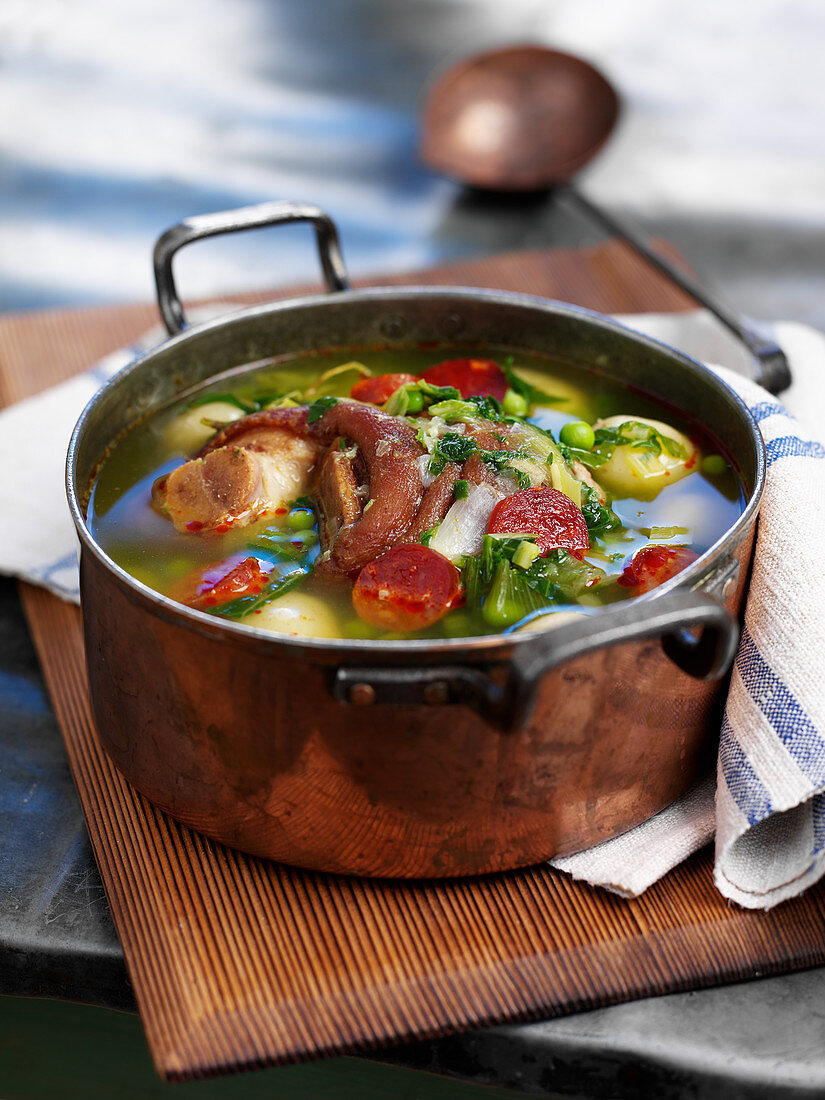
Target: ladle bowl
{"x": 517, "y": 119}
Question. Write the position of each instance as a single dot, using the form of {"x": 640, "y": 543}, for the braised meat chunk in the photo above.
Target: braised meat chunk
{"x": 252, "y": 466}
{"x": 341, "y": 490}
{"x": 390, "y": 452}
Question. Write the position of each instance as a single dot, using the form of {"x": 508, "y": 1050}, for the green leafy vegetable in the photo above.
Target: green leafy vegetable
{"x": 510, "y": 597}
{"x": 461, "y": 490}
{"x": 632, "y": 433}
{"x": 600, "y": 518}
{"x": 402, "y": 401}
{"x": 319, "y": 407}
{"x": 452, "y": 447}
{"x": 508, "y": 579}
{"x": 531, "y": 394}
{"x": 540, "y": 444}
{"x": 286, "y": 546}
{"x": 474, "y": 408}
{"x": 526, "y": 554}
{"x": 593, "y": 459}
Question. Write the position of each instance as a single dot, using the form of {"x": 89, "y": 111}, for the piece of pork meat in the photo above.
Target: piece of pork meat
{"x": 435, "y": 503}
{"x": 340, "y": 490}
{"x": 252, "y": 466}
{"x": 390, "y": 451}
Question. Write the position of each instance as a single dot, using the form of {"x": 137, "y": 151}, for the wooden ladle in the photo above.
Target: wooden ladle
{"x": 524, "y": 118}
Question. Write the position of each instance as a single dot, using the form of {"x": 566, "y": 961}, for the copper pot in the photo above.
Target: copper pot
{"x": 409, "y": 758}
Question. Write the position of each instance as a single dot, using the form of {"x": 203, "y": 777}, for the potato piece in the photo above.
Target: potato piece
{"x": 186, "y": 434}
{"x": 641, "y": 474}
{"x": 296, "y": 613}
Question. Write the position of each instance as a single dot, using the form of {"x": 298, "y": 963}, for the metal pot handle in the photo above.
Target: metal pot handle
{"x": 508, "y": 700}
{"x": 233, "y": 221}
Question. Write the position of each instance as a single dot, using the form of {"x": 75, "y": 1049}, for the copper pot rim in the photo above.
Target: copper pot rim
{"x": 485, "y": 647}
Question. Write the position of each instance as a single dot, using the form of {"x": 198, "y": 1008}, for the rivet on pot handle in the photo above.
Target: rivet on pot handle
{"x": 233, "y": 221}
{"x": 506, "y": 698}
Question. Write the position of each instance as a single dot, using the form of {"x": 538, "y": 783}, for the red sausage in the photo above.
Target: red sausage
{"x": 546, "y": 513}
{"x": 653, "y": 565}
{"x": 380, "y": 388}
{"x": 471, "y": 377}
{"x": 246, "y": 579}
{"x": 406, "y": 589}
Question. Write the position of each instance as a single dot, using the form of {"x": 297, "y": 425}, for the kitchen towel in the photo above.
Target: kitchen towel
{"x": 767, "y": 805}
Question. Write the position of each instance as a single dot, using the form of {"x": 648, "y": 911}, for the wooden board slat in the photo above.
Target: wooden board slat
{"x": 237, "y": 962}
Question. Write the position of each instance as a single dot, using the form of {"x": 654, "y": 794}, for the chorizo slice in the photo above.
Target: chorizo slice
{"x": 406, "y": 589}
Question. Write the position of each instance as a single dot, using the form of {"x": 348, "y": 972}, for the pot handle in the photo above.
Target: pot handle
{"x": 506, "y": 698}
{"x": 233, "y": 221}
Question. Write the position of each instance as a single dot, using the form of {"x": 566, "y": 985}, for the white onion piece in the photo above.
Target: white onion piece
{"x": 465, "y": 525}
{"x": 424, "y": 471}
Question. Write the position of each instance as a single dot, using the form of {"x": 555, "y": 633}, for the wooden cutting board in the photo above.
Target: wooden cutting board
{"x": 238, "y": 963}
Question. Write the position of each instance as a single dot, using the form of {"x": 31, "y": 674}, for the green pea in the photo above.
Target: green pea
{"x": 301, "y": 519}
{"x": 713, "y": 465}
{"x": 415, "y": 401}
{"x": 577, "y": 434}
{"x": 514, "y": 404}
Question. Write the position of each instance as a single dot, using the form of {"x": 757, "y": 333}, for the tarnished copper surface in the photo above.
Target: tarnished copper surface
{"x": 252, "y": 749}
{"x": 251, "y": 739}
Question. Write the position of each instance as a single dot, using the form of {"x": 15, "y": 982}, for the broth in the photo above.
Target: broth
{"x": 693, "y": 512}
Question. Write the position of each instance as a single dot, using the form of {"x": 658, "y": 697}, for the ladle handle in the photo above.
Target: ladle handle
{"x": 771, "y": 369}
{"x": 234, "y": 221}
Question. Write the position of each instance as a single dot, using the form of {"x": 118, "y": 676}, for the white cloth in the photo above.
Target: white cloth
{"x": 769, "y": 813}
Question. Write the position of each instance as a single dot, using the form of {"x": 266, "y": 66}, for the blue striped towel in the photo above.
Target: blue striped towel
{"x": 767, "y": 806}
{"x": 767, "y": 803}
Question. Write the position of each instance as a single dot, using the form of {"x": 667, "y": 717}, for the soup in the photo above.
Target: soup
{"x": 407, "y": 495}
